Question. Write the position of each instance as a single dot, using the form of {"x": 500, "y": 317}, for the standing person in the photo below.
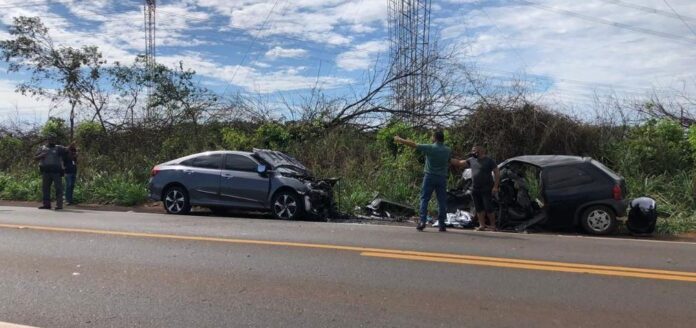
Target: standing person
{"x": 484, "y": 186}
{"x": 437, "y": 159}
{"x": 51, "y": 157}
{"x": 70, "y": 164}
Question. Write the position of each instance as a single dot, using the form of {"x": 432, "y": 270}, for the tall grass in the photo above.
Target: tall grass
{"x": 114, "y": 188}
{"x": 675, "y": 195}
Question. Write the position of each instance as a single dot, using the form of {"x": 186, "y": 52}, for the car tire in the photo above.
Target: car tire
{"x": 176, "y": 200}
{"x": 287, "y": 205}
{"x": 598, "y": 220}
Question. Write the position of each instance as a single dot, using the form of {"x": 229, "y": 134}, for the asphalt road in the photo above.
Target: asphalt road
{"x": 106, "y": 269}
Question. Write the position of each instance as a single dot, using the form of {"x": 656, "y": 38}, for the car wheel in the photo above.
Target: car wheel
{"x": 286, "y": 205}
{"x": 598, "y": 220}
{"x": 176, "y": 201}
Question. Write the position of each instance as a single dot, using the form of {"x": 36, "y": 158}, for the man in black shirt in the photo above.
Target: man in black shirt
{"x": 485, "y": 182}
{"x": 51, "y": 158}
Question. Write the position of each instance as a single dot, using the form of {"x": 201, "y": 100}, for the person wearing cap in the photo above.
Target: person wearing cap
{"x": 51, "y": 157}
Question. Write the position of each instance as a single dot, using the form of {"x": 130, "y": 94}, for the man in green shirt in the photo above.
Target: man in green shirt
{"x": 437, "y": 160}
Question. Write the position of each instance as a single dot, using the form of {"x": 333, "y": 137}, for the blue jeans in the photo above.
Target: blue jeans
{"x": 69, "y": 186}
{"x": 439, "y": 185}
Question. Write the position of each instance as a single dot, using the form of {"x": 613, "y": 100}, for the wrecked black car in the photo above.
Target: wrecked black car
{"x": 258, "y": 180}
{"x": 554, "y": 193}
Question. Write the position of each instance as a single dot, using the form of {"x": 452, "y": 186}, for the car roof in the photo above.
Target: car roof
{"x": 223, "y": 152}
{"x": 543, "y": 161}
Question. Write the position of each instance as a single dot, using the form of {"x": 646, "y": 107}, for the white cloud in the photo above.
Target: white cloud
{"x": 362, "y": 56}
{"x": 280, "y": 52}
{"x": 14, "y": 105}
{"x": 579, "y": 57}
{"x": 247, "y": 77}
{"x": 311, "y": 20}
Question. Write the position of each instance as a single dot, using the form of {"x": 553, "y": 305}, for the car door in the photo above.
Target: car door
{"x": 201, "y": 177}
{"x": 241, "y": 185}
{"x": 565, "y": 189}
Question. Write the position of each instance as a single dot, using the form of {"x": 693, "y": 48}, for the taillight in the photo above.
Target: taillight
{"x": 154, "y": 171}
{"x": 617, "y": 192}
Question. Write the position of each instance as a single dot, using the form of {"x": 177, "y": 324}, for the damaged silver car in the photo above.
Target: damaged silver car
{"x": 258, "y": 180}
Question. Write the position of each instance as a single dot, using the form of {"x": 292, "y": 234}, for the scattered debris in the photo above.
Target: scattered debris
{"x": 382, "y": 209}
{"x": 459, "y": 219}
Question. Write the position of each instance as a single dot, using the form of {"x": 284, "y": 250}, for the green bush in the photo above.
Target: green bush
{"x": 119, "y": 189}
{"x": 235, "y": 139}
{"x": 89, "y": 135}
{"x": 9, "y": 148}
{"x": 57, "y": 127}
{"x": 272, "y": 135}
{"x": 26, "y": 186}
{"x": 654, "y": 148}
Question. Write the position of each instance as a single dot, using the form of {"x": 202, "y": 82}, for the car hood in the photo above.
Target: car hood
{"x": 281, "y": 160}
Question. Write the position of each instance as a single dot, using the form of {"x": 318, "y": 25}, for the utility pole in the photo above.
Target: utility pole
{"x": 410, "y": 52}
{"x": 149, "y": 12}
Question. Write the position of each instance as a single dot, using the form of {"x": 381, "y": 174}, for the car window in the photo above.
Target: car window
{"x": 240, "y": 163}
{"x": 206, "y": 161}
{"x": 566, "y": 176}
{"x": 606, "y": 170}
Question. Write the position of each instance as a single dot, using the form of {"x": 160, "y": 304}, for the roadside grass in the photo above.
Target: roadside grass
{"x": 675, "y": 195}
{"x": 118, "y": 189}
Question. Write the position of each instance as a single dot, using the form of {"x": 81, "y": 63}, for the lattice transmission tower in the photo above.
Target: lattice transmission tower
{"x": 410, "y": 51}
{"x": 149, "y": 12}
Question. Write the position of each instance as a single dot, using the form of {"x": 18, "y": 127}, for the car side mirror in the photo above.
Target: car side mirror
{"x": 261, "y": 169}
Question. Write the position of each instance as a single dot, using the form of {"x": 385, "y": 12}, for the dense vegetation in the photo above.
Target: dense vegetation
{"x": 121, "y": 134}
{"x": 655, "y": 157}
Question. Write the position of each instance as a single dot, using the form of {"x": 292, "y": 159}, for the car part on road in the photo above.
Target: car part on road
{"x": 598, "y": 220}
{"x": 642, "y": 216}
{"x": 460, "y": 219}
{"x": 381, "y": 208}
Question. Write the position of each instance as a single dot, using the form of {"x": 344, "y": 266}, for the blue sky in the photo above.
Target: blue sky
{"x": 569, "y": 51}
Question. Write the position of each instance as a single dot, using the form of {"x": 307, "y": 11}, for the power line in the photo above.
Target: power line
{"x": 649, "y": 9}
{"x": 268, "y": 16}
{"x": 680, "y": 17}
{"x": 598, "y": 20}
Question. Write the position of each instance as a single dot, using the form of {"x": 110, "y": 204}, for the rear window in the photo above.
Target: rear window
{"x": 606, "y": 170}
{"x": 566, "y": 176}
{"x": 206, "y": 161}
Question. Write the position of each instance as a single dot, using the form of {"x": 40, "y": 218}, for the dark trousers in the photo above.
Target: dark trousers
{"x": 69, "y": 186}
{"x": 438, "y": 184}
{"x": 48, "y": 179}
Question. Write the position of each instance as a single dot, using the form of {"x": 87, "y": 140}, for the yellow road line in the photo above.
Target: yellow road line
{"x": 403, "y": 254}
{"x": 12, "y": 325}
{"x": 540, "y": 267}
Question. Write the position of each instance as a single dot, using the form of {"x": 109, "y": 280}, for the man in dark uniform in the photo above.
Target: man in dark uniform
{"x": 484, "y": 186}
{"x": 51, "y": 157}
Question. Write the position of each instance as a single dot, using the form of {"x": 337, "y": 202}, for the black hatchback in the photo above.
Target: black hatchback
{"x": 568, "y": 191}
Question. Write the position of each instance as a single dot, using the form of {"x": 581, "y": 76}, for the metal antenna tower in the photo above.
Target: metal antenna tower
{"x": 410, "y": 50}
{"x": 149, "y": 11}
